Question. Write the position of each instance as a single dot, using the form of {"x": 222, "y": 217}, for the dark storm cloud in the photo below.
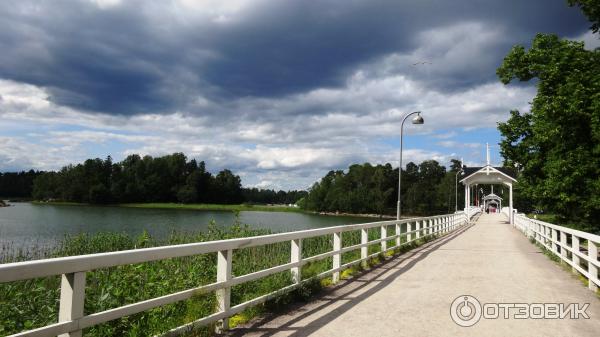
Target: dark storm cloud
{"x": 142, "y": 57}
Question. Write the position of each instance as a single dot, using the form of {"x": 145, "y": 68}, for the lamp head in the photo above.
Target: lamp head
{"x": 418, "y": 119}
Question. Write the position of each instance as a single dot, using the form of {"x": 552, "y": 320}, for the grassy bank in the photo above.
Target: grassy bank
{"x": 34, "y": 303}
{"x": 198, "y": 207}
{"x": 216, "y": 207}
{"x": 554, "y": 219}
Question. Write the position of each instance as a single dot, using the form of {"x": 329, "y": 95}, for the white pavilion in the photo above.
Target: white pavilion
{"x": 488, "y": 175}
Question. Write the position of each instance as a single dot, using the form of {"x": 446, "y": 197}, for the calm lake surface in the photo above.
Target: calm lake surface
{"x": 26, "y": 224}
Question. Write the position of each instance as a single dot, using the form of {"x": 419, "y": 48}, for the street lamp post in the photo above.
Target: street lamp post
{"x": 416, "y": 120}
{"x": 456, "y": 188}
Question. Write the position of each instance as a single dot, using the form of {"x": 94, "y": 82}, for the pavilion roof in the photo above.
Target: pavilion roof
{"x": 503, "y": 171}
{"x": 492, "y": 196}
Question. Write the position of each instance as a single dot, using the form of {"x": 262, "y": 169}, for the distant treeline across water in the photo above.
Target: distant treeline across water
{"x": 170, "y": 178}
{"x": 427, "y": 188}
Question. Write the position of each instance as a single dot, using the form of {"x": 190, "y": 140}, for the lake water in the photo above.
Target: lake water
{"x": 26, "y": 224}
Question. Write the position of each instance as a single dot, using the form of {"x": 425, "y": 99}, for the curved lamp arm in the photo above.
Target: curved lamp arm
{"x": 416, "y": 120}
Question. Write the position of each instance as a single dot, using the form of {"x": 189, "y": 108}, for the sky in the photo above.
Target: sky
{"x": 280, "y": 92}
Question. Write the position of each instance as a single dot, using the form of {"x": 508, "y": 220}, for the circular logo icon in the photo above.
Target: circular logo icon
{"x": 465, "y": 310}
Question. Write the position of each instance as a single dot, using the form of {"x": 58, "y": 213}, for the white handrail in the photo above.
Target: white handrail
{"x": 556, "y": 239}
{"x": 472, "y": 211}
{"x": 74, "y": 268}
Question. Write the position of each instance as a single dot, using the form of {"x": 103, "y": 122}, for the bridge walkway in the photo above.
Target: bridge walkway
{"x": 411, "y": 295}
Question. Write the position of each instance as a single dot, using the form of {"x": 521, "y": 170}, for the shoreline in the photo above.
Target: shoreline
{"x": 217, "y": 207}
{"x": 191, "y": 207}
{"x": 368, "y": 215}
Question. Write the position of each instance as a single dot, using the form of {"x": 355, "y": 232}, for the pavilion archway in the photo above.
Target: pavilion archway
{"x": 488, "y": 175}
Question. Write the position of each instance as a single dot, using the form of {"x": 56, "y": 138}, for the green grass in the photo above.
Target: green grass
{"x": 34, "y": 303}
{"x": 198, "y": 207}
{"x": 543, "y": 217}
{"x": 216, "y": 207}
{"x": 554, "y": 219}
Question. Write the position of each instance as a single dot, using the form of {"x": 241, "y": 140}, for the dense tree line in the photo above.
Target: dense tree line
{"x": 170, "y": 178}
{"x": 17, "y": 184}
{"x": 268, "y": 196}
{"x": 555, "y": 147}
{"x": 427, "y": 188}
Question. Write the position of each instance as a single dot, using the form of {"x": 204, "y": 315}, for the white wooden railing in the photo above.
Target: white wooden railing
{"x": 472, "y": 211}
{"x": 72, "y": 319}
{"x": 566, "y": 243}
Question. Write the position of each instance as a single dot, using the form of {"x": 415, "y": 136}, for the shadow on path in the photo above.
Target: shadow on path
{"x": 269, "y": 325}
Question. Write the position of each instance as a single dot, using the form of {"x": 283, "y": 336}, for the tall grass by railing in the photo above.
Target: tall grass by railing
{"x": 33, "y": 303}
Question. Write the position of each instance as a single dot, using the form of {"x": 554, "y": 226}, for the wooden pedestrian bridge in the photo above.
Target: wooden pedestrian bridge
{"x": 407, "y": 294}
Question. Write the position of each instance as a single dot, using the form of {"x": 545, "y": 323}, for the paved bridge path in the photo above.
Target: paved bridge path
{"x": 411, "y": 295}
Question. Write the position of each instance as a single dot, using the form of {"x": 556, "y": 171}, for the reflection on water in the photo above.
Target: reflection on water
{"x": 25, "y": 224}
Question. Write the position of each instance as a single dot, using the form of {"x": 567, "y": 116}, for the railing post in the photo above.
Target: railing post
{"x": 543, "y": 234}
{"x": 337, "y": 258}
{"x": 544, "y": 237}
{"x": 72, "y": 299}
{"x": 554, "y": 239}
{"x": 592, "y": 269}
{"x": 383, "y": 236}
{"x": 223, "y": 294}
{"x": 398, "y": 232}
{"x": 296, "y": 256}
{"x": 408, "y": 232}
{"x": 575, "y": 248}
{"x": 563, "y": 247}
{"x": 418, "y": 229}
{"x": 364, "y": 251}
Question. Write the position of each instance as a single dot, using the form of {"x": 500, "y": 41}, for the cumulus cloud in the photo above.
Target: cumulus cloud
{"x": 300, "y": 147}
{"x": 591, "y": 41}
{"x": 137, "y": 57}
{"x": 280, "y": 92}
